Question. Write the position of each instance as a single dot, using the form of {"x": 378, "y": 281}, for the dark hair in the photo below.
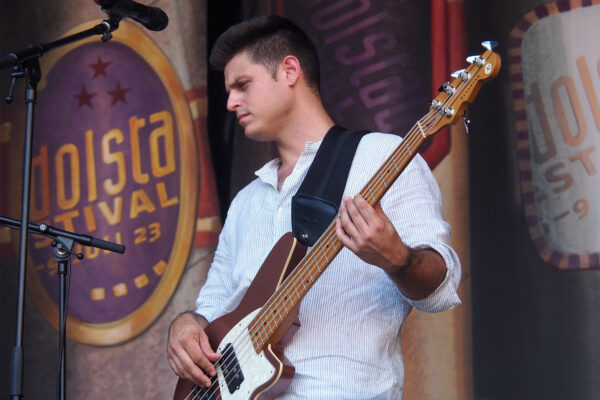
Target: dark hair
{"x": 268, "y": 40}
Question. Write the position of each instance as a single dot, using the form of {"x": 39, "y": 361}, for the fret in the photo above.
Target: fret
{"x": 408, "y": 148}
{"x": 318, "y": 267}
{"x": 395, "y": 165}
{"x": 370, "y": 194}
{"x": 286, "y": 301}
{"x": 421, "y": 129}
{"x": 382, "y": 180}
{"x": 279, "y": 312}
{"x": 308, "y": 278}
{"x": 325, "y": 254}
{"x": 260, "y": 334}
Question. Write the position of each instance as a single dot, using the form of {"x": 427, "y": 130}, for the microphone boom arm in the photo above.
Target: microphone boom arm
{"x": 39, "y": 49}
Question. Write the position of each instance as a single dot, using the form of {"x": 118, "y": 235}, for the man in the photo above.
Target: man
{"x": 396, "y": 255}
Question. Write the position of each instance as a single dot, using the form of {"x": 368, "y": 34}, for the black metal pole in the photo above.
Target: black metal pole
{"x": 63, "y": 265}
{"x": 32, "y": 76}
{"x": 28, "y": 61}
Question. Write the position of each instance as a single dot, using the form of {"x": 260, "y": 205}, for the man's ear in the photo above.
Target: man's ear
{"x": 291, "y": 70}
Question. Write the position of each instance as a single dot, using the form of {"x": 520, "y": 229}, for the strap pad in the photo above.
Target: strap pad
{"x": 315, "y": 204}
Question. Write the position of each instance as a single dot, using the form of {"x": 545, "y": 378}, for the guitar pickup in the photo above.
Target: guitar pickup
{"x": 230, "y": 367}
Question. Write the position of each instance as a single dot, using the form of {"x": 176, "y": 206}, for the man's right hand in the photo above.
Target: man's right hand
{"x": 188, "y": 349}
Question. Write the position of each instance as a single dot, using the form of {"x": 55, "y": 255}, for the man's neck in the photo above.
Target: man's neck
{"x": 308, "y": 124}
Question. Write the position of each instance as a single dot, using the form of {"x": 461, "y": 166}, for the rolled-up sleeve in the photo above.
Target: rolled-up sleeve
{"x": 413, "y": 204}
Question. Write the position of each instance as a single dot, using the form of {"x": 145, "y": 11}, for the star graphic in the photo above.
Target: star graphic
{"x": 118, "y": 94}
{"x": 84, "y": 97}
{"x": 100, "y": 67}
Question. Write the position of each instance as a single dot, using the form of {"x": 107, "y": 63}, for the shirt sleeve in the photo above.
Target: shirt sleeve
{"x": 413, "y": 204}
{"x": 218, "y": 286}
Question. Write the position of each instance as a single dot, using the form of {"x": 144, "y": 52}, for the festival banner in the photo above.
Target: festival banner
{"x": 555, "y": 81}
{"x": 120, "y": 153}
{"x": 372, "y": 53}
{"x": 5, "y": 235}
{"x": 114, "y": 156}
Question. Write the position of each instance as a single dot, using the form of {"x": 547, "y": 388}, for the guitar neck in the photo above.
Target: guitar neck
{"x": 445, "y": 109}
{"x": 278, "y": 308}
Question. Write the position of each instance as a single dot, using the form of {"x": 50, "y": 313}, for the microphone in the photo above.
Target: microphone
{"x": 152, "y": 18}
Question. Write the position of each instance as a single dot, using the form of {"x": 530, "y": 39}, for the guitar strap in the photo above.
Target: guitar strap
{"x": 315, "y": 204}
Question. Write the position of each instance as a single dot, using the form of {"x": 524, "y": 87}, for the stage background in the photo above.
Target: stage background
{"x": 521, "y": 190}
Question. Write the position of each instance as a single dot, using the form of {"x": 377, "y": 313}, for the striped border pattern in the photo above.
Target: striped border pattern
{"x": 567, "y": 261}
{"x": 208, "y": 222}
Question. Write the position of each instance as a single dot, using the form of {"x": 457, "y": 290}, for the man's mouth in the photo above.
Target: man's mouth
{"x": 242, "y": 116}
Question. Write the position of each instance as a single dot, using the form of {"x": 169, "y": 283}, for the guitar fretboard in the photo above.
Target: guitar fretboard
{"x": 446, "y": 109}
{"x": 295, "y": 287}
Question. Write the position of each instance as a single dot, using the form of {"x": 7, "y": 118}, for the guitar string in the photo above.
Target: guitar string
{"x": 241, "y": 349}
{"x": 377, "y": 187}
{"x": 429, "y": 118}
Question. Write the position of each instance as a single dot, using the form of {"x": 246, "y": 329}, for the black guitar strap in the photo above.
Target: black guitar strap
{"x": 315, "y": 204}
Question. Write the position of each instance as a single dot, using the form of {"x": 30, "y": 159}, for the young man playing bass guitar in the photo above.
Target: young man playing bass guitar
{"x": 395, "y": 255}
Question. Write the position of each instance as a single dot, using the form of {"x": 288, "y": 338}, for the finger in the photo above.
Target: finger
{"x": 378, "y": 223}
{"x": 348, "y": 225}
{"x": 191, "y": 371}
{"x": 181, "y": 372}
{"x": 366, "y": 210}
{"x": 199, "y": 358}
{"x": 207, "y": 348}
{"x": 174, "y": 366}
{"x": 343, "y": 236}
{"x": 355, "y": 215}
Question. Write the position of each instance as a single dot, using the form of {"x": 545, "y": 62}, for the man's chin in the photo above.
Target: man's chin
{"x": 254, "y": 134}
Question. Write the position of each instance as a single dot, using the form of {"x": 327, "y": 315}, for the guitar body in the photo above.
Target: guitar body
{"x": 267, "y": 373}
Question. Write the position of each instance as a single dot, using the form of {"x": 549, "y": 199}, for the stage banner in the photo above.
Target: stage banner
{"x": 555, "y": 81}
{"x": 380, "y": 61}
{"x": 373, "y": 62}
{"x": 120, "y": 153}
{"x": 6, "y": 250}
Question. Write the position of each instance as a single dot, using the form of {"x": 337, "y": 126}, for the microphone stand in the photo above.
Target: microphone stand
{"x": 63, "y": 245}
{"x": 25, "y": 64}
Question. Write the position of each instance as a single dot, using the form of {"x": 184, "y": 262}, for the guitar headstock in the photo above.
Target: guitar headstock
{"x": 456, "y": 95}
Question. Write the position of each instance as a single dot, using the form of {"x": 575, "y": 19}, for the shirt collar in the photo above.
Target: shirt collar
{"x": 268, "y": 172}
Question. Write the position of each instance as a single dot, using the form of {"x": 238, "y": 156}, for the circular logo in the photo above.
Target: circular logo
{"x": 114, "y": 158}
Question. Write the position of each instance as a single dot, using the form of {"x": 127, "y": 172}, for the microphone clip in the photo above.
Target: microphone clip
{"x": 111, "y": 24}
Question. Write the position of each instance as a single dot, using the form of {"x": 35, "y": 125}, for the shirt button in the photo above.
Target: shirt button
{"x": 279, "y": 210}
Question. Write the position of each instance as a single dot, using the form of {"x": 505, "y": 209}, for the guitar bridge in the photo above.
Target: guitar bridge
{"x": 230, "y": 367}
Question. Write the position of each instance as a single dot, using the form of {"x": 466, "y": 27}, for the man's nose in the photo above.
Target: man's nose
{"x": 233, "y": 102}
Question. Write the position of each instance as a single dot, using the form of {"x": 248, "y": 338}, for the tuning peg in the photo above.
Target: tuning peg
{"x": 436, "y": 105}
{"x": 462, "y": 74}
{"x": 489, "y": 44}
{"x": 476, "y": 60}
{"x": 447, "y": 112}
{"x": 447, "y": 89}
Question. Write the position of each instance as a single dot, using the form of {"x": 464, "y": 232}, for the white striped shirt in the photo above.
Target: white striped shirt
{"x": 348, "y": 345}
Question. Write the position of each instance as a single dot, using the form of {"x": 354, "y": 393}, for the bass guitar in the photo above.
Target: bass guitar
{"x": 251, "y": 338}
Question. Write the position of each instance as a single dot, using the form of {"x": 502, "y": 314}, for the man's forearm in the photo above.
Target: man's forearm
{"x": 422, "y": 273}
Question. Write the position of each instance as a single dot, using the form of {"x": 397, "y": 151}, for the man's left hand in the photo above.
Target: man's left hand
{"x": 369, "y": 233}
